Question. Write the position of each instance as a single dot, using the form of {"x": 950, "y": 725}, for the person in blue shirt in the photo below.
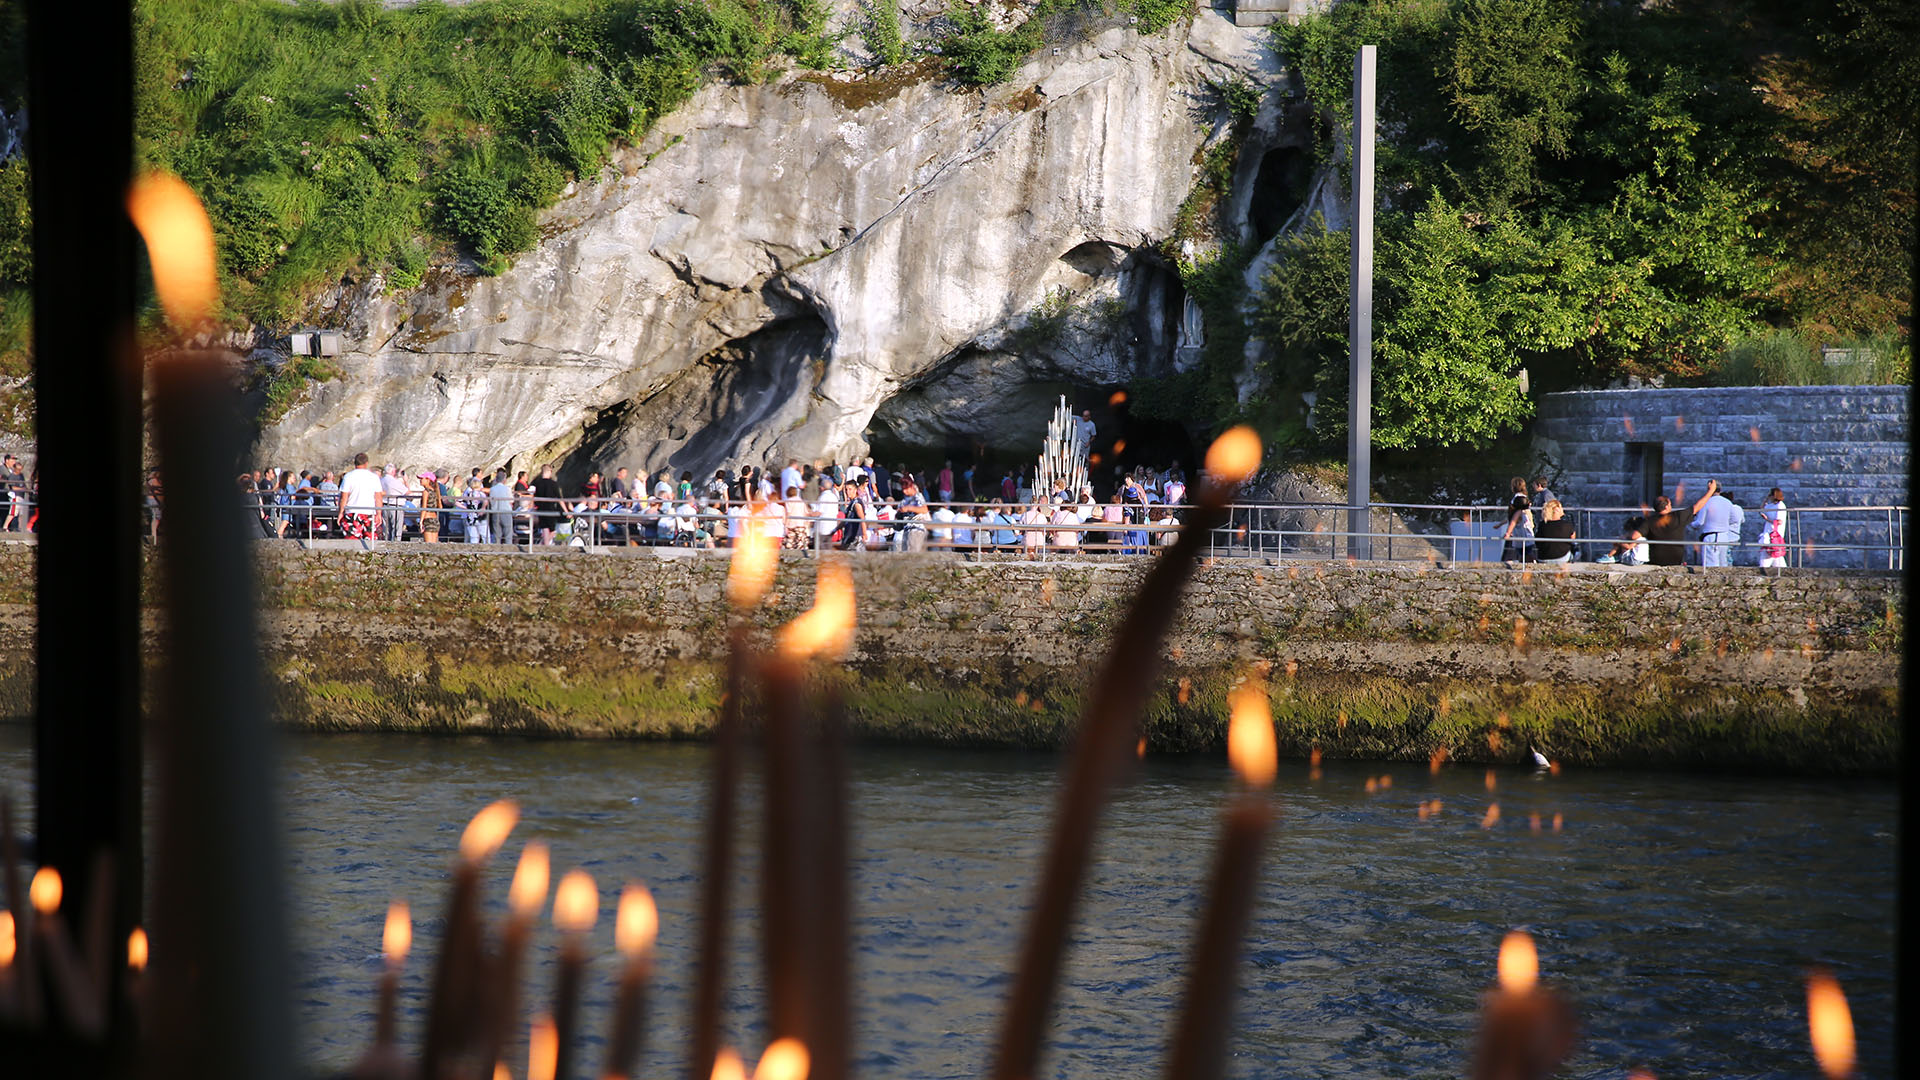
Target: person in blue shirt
{"x": 1003, "y": 532}
{"x": 1718, "y": 521}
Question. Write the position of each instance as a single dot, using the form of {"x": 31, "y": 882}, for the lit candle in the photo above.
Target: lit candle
{"x": 73, "y": 991}
{"x": 1830, "y": 1026}
{"x": 452, "y": 1014}
{"x": 784, "y": 1059}
{"x": 576, "y": 907}
{"x": 1199, "y": 1045}
{"x": 728, "y": 1066}
{"x": 1526, "y": 1030}
{"x": 636, "y": 924}
{"x": 1102, "y": 748}
{"x": 393, "y": 943}
{"x": 717, "y": 872}
{"x": 791, "y": 895}
{"x": 7, "y": 948}
{"x": 525, "y": 898}
{"x": 137, "y": 973}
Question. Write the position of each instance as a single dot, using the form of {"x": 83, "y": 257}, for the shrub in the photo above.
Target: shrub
{"x": 883, "y": 30}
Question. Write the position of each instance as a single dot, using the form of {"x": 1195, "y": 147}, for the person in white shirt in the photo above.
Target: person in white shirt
{"x": 940, "y": 535}
{"x": 736, "y": 524}
{"x": 361, "y": 494}
{"x": 394, "y": 505}
{"x": 790, "y": 476}
{"x": 1034, "y": 536}
{"x": 827, "y": 510}
{"x": 962, "y": 534}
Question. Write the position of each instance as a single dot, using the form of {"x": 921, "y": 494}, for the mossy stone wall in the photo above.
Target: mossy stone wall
{"x": 1722, "y": 668}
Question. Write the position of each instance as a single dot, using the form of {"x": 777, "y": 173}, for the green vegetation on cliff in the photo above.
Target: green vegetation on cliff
{"x": 1695, "y": 190}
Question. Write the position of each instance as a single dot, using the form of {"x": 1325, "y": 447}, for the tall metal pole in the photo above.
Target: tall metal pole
{"x": 1360, "y": 328}
{"x": 87, "y": 418}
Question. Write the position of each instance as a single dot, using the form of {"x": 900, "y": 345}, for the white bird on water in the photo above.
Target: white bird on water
{"x": 1539, "y": 759}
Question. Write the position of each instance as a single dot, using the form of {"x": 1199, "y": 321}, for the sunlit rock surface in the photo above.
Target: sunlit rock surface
{"x": 778, "y": 265}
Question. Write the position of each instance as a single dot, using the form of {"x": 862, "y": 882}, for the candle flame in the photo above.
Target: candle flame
{"x": 179, "y": 246}
{"x": 637, "y": 922}
{"x": 488, "y": 830}
{"x": 728, "y": 1066}
{"x": 398, "y": 937}
{"x": 1250, "y": 741}
{"x": 1830, "y": 1023}
{"x": 785, "y": 1059}
{"x": 500, "y": 1071}
{"x": 529, "y": 890}
{"x": 1519, "y": 963}
{"x": 543, "y": 1049}
{"x": 6, "y": 938}
{"x": 826, "y": 628}
{"x": 1234, "y": 455}
{"x": 1492, "y": 818}
{"x": 755, "y": 557}
{"x": 137, "y": 949}
{"x": 1435, "y": 760}
{"x": 1492, "y": 781}
{"x": 46, "y": 890}
{"x": 576, "y": 904}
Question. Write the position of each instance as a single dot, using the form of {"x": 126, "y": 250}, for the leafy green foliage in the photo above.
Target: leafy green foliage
{"x": 286, "y": 386}
{"x": 1790, "y": 358}
{"x": 333, "y": 139}
{"x": 882, "y": 30}
{"x": 1587, "y": 191}
{"x": 980, "y": 54}
{"x": 1703, "y": 164}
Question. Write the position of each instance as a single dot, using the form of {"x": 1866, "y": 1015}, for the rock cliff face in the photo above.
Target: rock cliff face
{"x": 781, "y": 269}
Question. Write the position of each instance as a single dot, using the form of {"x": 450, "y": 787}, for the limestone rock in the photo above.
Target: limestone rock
{"x": 778, "y": 268}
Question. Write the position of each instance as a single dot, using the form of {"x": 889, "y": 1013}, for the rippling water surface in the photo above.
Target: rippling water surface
{"x": 1679, "y": 911}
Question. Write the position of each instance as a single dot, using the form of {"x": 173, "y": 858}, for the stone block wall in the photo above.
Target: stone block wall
{"x": 1824, "y": 446}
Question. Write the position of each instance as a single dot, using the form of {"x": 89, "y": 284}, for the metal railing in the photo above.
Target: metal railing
{"x": 1427, "y": 532}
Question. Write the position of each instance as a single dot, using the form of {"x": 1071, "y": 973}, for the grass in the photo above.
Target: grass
{"x": 333, "y": 140}
{"x": 1797, "y": 358}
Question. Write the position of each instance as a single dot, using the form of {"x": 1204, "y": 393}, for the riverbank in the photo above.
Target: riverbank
{"x": 1724, "y": 669}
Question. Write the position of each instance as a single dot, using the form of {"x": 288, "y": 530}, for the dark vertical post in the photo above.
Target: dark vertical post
{"x": 1360, "y": 329}
{"x": 87, "y": 384}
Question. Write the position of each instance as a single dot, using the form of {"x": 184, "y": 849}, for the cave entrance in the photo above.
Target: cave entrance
{"x": 1279, "y": 189}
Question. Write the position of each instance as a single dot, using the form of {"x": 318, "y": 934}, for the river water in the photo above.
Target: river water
{"x": 1679, "y": 911}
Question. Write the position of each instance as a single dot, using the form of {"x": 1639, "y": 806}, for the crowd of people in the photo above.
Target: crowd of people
{"x": 854, "y": 506}
{"x": 1660, "y": 536}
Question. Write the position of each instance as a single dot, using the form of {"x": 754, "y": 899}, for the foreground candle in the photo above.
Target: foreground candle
{"x": 525, "y": 897}
{"x": 576, "y": 907}
{"x": 394, "y": 942}
{"x": 785, "y": 1059}
{"x": 636, "y": 925}
{"x": 1200, "y": 1040}
{"x": 1830, "y": 1026}
{"x": 455, "y": 1009}
{"x": 1526, "y": 1030}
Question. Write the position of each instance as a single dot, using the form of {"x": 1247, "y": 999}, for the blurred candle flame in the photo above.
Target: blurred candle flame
{"x": 46, "y": 890}
{"x": 1492, "y": 818}
{"x": 786, "y": 1059}
{"x": 529, "y": 890}
{"x": 637, "y": 923}
{"x": 500, "y": 1071}
{"x": 137, "y": 949}
{"x": 1830, "y": 1024}
{"x": 1251, "y": 747}
{"x": 179, "y": 246}
{"x": 1435, "y": 760}
{"x": 1519, "y": 963}
{"x": 576, "y": 904}
{"x": 488, "y": 830}
{"x": 543, "y": 1049}
{"x": 728, "y": 1066}
{"x": 1234, "y": 455}
{"x": 826, "y": 628}
{"x": 6, "y": 938}
{"x": 398, "y": 937}
{"x": 755, "y": 557}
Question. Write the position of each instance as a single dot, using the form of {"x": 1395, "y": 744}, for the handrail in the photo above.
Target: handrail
{"x": 1245, "y": 534}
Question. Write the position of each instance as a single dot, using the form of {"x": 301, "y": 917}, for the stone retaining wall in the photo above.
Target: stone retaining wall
{"x": 1652, "y": 666}
{"x": 1822, "y": 445}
